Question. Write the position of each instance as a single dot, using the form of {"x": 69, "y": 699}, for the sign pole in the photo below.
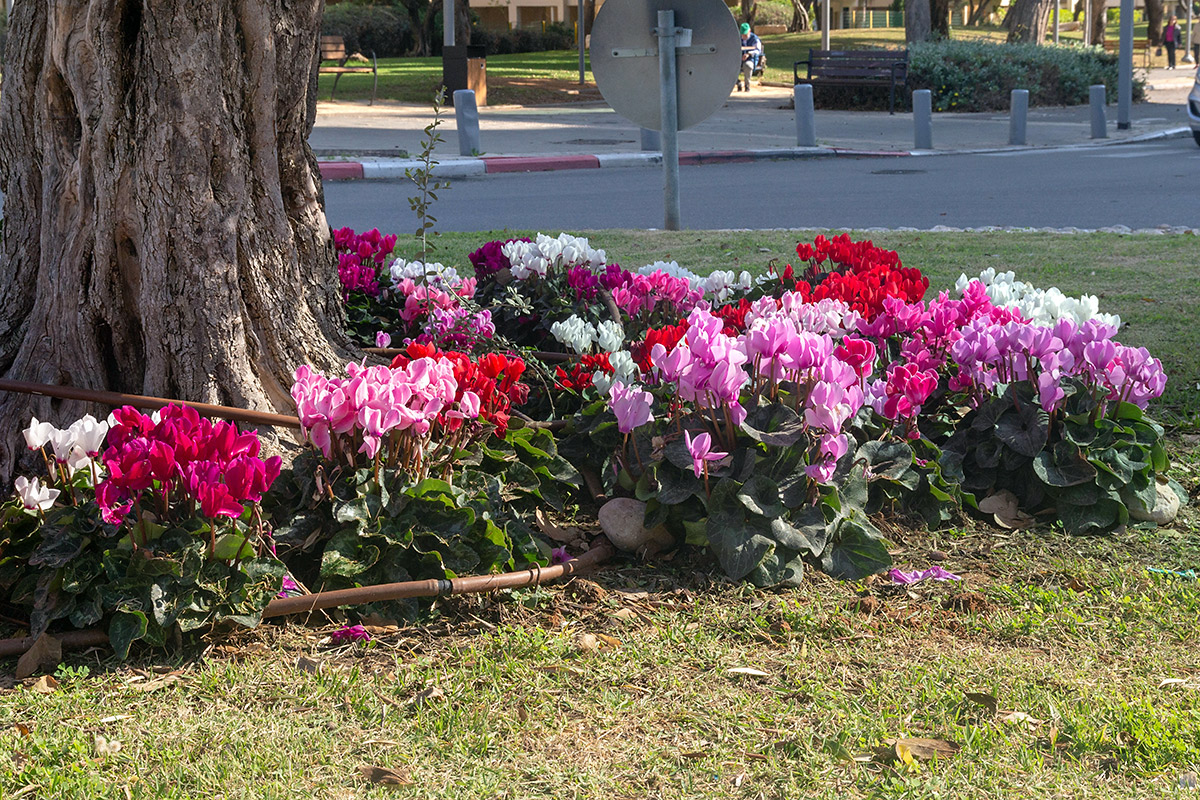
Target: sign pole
{"x": 669, "y": 99}
{"x": 447, "y": 23}
{"x": 825, "y": 24}
{"x": 579, "y": 24}
{"x": 1125, "y": 67}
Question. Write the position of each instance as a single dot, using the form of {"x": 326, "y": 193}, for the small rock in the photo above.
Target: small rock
{"x": 621, "y": 520}
{"x": 1166, "y": 507}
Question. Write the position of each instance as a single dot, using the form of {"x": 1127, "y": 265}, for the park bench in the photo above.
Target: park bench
{"x": 333, "y": 48}
{"x": 1139, "y": 46}
{"x": 856, "y": 68}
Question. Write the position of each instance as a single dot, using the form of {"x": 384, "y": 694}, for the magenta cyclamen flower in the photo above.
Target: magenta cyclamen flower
{"x": 559, "y": 555}
{"x": 632, "y": 406}
{"x": 350, "y": 633}
{"x": 701, "y": 451}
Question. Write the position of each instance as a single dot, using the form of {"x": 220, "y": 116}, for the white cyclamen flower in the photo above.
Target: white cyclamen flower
{"x": 609, "y": 336}
{"x": 37, "y": 435}
{"x": 576, "y": 333}
{"x": 34, "y": 496}
{"x": 89, "y": 434}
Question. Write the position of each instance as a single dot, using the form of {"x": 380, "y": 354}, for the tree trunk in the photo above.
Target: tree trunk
{"x": 164, "y": 229}
{"x": 1099, "y": 21}
{"x": 917, "y": 25}
{"x": 1154, "y": 21}
{"x": 981, "y": 12}
{"x": 1028, "y": 20}
{"x": 801, "y": 21}
{"x": 749, "y": 11}
{"x": 939, "y": 23}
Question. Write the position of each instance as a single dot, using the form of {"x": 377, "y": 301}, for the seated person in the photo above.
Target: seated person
{"x": 752, "y": 54}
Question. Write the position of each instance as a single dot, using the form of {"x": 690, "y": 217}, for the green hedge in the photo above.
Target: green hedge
{"x": 557, "y": 36}
{"x": 980, "y": 76}
{"x": 384, "y": 30}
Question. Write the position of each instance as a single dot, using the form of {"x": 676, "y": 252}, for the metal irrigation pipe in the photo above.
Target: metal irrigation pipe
{"x": 282, "y": 606}
{"x": 141, "y": 401}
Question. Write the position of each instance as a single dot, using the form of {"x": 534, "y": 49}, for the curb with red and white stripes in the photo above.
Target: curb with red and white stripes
{"x": 465, "y": 167}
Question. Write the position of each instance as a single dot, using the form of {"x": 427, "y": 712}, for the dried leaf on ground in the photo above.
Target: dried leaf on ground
{"x": 556, "y": 532}
{"x": 45, "y": 654}
{"x": 306, "y": 664}
{"x": 45, "y": 684}
{"x": 1005, "y": 508}
{"x": 158, "y": 683}
{"x": 751, "y": 671}
{"x": 22, "y": 728}
{"x": 428, "y": 695}
{"x": 909, "y": 751}
{"x": 984, "y": 699}
{"x": 104, "y": 747}
{"x": 385, "y": 776}
{"x": 624, "y": 614}
{"x": 1018, "y": 718}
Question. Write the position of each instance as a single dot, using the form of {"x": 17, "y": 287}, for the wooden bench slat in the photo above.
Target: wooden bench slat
{"x": 856, "y": 67}
{"x": 333, "y": 48}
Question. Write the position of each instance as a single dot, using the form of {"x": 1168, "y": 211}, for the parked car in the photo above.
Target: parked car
{"x": 1193, "y": 108}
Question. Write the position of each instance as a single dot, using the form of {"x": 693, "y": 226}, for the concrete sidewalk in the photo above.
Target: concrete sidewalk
{"x": 356, "y": 141}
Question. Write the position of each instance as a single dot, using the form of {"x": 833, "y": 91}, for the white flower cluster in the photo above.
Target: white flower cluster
{"x": 75, "y": 446}
{"x": 537, "y": 257}
{"x": 625, "y": 372}
{"x": 432, "y": 274}
{"x": 721, "y": 285}
{"x": 1039, "y": 306}
{"x": 580, "y": 335}
{"x": 673, "y": 269}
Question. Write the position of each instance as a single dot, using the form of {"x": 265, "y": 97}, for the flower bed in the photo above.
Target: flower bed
{"x": 771, "y": 420}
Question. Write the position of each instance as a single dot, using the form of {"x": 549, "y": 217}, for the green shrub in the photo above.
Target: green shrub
{"x": 383, "y": 30}
{"x": 773, "y": 13}
{"x": 556, "y": 36}
{"x": 980, "y": 76}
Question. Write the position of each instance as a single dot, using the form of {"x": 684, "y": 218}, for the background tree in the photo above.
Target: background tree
{"x": 1099, "y": 21}
{"x": 1154, "y": 21}
{"x": 801, "y": 19}
{"x": 164, "y": 226}
{"x": 917, "y": 20}
{"x": 1028, "y": 20}
{"x": 749, "y": 11}
{"x": 939, "y": 19}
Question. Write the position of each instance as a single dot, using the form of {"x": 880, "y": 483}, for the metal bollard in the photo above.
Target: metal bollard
{"x": 466, "y": 117}
{"x": 1097, "y": 98}
{"x": 922, "y": 100}
{"x": 1018, "y": 115}
{"x": 651, "y": 141}
{"x": 806, "y": 129}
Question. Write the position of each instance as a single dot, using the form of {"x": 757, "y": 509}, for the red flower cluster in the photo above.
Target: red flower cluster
{"x": 181, "y": 457}
{"x": 668, "y": 336}
{"x": 734, "y": 316}
{"x": 494, "y": 378}
{"x": 579, "y": 377}
{"x": 359, "y": 257}
{"x": 857, "y": 273}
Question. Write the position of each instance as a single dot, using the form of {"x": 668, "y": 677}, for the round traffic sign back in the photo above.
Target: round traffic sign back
{"x": 624, "y": 57}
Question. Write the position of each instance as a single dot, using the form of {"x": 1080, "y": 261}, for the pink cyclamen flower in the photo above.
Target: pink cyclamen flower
{"x": 933, "y": 573}
{"x": 632, "y": 406}
{"x": 701, "y": 451}
{"x": 559, "y": 555}
{"x": 350, "y": 633}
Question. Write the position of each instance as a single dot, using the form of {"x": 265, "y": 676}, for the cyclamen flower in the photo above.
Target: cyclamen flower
{"x": 632, "y": 406}
{"x": 559, "y": 555}
{"x": 34, "y": 496}
{"x": 350, "y": 633}
{"x": 37, "y": 435}
{"x": 701, "y": 451}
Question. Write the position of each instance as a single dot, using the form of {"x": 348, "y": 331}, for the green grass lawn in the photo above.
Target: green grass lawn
{"x": 1059, "y": 667}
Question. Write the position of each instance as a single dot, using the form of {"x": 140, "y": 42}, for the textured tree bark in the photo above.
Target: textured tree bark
{"x": 1028, "y": 20}
{"x": 917, "y": 20}
{"x": 801, "y": 21}
{"x": 1099, "y": 21}
{"x": 165, "y": 230}
{"x": 939, "y": 19}
{"x": 1154, "y": 21}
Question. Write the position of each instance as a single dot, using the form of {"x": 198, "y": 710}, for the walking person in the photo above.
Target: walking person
{"x": 1170, "y": 39}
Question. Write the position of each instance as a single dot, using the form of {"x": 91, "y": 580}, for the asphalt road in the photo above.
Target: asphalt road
{"x": 1138, "y": 185}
